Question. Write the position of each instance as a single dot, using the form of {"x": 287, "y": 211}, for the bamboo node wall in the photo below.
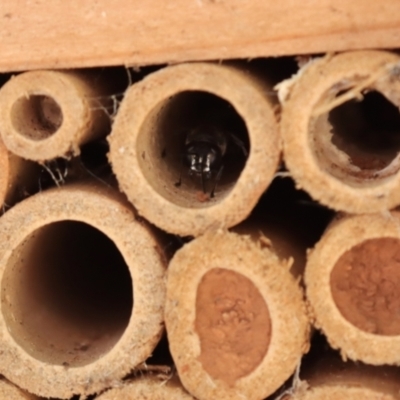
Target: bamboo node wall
{"x": 247, "y": 321}
{"x": 351, "y": 280}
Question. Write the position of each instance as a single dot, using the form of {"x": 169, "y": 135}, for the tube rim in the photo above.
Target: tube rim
{"x": 266, "y": 272}
{"x": 145, "y": 326}
{"x": 64, "y": 89}
{"x": 353, "y": 342}
{"x": 315, "y": 80}
{"x": 141, "y": 98}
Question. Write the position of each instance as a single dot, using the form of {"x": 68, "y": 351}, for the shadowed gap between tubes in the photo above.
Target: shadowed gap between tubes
{"x": 67, "y": 294}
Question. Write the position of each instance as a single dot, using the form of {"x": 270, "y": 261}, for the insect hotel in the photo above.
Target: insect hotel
{"x": 200, "y": 200}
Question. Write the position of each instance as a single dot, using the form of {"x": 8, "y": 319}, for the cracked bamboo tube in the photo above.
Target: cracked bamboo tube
{"x": 333, "y": 146}
{"x": 8, "y": 391}
{"x": 232, "y": 307}
{"x": 352, "y": 283}
{"x": 82, "y": 291}
{"x": 49, "y": 114}
{"x": 148, "y": 387}
{"x": 148, "y": 138}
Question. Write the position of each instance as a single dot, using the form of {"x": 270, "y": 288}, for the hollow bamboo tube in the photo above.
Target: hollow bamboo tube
{"x": 49, "y": 114}
{"x": 148, "y": 138}
{"x": 70, "y": 322}
{"x": 350, "y": 165}
{"x": 10, "y": 392}
{"x": 235, "y": 317}
{"x": 352, "y": 283}
{"x": 332, "y": 379}
{"x": 147, "y": 387}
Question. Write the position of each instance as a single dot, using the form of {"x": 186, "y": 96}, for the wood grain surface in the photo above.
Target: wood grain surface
{"x": 60, "y": 34}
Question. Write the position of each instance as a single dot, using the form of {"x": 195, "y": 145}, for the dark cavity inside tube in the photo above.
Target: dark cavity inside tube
{"x": 67, "y": 294}
{"x": 162, "y": 147}
{"x": 36, "y": 117}
{"x": 368, "y": 132}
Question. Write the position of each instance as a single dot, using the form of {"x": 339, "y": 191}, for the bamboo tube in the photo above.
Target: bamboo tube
{"x": 69, "y": 321}
{"x": 231, "y": 312}
{"x": 352, "y": 283}
{"x": 10, "y": 392}
{"x": 147, "y": 387}
{"x": 147, "y": 145}
{"x": 49, "y": 114}
{"x": 345, "y": 155}
{"x": 18, "y": 177}
{"x": 329, "y": 378}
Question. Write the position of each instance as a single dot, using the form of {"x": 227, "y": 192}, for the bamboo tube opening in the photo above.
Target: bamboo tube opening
{"x": 358, "y": 140}
{"x": 365, "y": 284}
{"x": 36, "y": 117}
{"x": 224, "y": 107}
{"x": 232, "y": 307}
{"x": 69, "y": 321}
{"x": 50, "y": 114}
{"x": 67, "y": 294}
{"x": 162, "y": 146}
{"x": 232, "y": 319}
{"x": 368, "y": 131}
{"x": 341, "y": 130}
{"x": 352, "y": 282}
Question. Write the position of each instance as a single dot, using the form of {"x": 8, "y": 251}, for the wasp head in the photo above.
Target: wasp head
{"x": 202, "y": 158}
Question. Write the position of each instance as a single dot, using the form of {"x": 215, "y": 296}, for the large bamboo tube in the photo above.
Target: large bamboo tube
{"x": 235, "y": 317}
{"x": 352, "y": 280}
{"x": 82, "y": 291}
{"x": 341, "y": 132}
{"x": 147, "y": 145}
{"x": 327, "y": 377}
{"x": 49, "y": 114}
{"x": 10, "y": 392}
{"x": 148, "y": 387}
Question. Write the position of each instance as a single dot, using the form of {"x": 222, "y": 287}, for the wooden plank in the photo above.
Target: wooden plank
{"x": 62, "y": 34}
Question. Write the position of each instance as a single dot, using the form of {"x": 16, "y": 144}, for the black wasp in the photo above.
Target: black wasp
{"x": 204, "y": 153}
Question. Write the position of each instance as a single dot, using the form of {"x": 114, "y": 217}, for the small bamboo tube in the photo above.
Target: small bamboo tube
{"x": 49, "y": 114}
{"x": 349, "y": 165}
{"x": 148, "y": 387}
{"x": 10, "y": 392}
{"x": 352, "y": 282}
{"x": 148, "y": 137}
{"x": 82, "y": 291}
{"x": 235, "y": 317}
{"x": 332, "y": 379}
